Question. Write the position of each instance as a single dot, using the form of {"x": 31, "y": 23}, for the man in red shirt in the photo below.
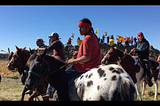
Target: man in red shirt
{"x": 88, "y": 57}
{"x": 89, "y": 51}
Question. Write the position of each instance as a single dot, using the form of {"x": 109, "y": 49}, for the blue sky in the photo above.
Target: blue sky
{"x": 22, "y": 25}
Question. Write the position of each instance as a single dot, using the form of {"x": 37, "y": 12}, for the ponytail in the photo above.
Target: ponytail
{"x": 92, "y": 31}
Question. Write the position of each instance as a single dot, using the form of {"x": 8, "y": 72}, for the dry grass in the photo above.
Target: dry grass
{"x": 4, "y": 72}
{"x": 10, "y": 86}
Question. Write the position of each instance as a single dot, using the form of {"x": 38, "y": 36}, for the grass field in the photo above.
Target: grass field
{"x": 11, "y": 88}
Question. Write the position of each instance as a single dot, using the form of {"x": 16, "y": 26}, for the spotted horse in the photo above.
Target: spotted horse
{"x": 103, "y": 83}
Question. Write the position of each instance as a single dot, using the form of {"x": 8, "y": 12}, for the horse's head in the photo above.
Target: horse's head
{"x": 41, "y": 65}
{"x": 18, "y": 58}
{"x": 112, "y": 56}
{"x": 36, "y": 64}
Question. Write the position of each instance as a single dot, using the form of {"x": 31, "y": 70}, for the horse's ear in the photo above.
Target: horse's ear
{"x": 24, "y": 48}
{"x": 9, "y": 51}
{"x": 17, "y": 47}
{"x": 31, "y": 51}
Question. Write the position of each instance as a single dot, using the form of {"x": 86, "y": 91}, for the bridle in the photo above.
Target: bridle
{"x": 18, "y": 58}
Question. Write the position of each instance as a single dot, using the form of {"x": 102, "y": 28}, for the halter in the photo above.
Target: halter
{"x": 34, "y": 73}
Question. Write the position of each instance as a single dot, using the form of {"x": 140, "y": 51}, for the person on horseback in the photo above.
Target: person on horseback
{"x": 141, "y": 50}
{"x": 87, "y": 57}
{"x": 40, "y": 43}
{"x": 57, "y": 48}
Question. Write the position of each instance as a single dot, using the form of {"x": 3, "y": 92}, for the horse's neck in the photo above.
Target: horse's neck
{"x": 54, "y": 63}
{"x": 22, "y": 69}
{"x": 55, "y": 69}
{"x": 121, "y": 54}
{"x": 25, "y": 57}
{"x": 122, "y": 58}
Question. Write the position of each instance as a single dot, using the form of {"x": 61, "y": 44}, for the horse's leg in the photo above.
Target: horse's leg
{"x": 156, "y": 89}
{"x": 144, "y": 87}
{"x": 137, "y": 85}
{"x": 155, "y": 75}
{"x": 23, "y": 93}
{"x": 33, "y": 95}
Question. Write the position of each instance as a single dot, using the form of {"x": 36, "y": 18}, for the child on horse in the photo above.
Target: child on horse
{"x": 142, "y": 51}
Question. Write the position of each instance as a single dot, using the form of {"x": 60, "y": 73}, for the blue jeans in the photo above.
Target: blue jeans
{"x": 50, "y": 90}
{"x": 65, "y": 81}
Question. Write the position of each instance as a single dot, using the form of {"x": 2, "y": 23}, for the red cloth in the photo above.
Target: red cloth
{"x": 84, "y": 24}
{"x": 69, "y": 39}
{"x": 89, "y": 46}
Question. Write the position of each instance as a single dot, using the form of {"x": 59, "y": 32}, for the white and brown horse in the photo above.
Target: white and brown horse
{"x": 131, "y": 65}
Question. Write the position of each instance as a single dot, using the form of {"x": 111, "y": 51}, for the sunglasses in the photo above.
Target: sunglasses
{"x": 139, "y": 35}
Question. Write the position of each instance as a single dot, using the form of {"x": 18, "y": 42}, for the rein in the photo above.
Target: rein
{"x": 34, "y": 73}
{"x": 119, "y": 59}
{"x": 58, "y": 69}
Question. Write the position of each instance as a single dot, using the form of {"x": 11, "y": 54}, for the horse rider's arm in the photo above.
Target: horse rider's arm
{"x": 39, "y": 49}
{"x": 82, "y": 59}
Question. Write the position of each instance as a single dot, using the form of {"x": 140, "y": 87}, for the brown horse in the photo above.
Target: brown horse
{"x": 18, "y": 59}
{"x": 132, "y": 66}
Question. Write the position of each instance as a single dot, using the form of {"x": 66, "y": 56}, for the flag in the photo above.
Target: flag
{"x": 96, "y": 31}
{"x": 125, "y": 38}
{"x": 121, "y": 39}
{"x": 117, "y": 38}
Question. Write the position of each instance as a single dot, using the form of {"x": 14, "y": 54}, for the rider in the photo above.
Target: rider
{"x": 142, "y": 51}
{"x": 40, "y": 43}
{"x": 88, "y": 56}
{"x": 57, "y": 47}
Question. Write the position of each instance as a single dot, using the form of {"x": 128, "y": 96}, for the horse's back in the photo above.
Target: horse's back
{"x": 106, "y": 82}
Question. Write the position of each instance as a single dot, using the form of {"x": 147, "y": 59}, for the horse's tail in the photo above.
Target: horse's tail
{"x": 127, "y": 89}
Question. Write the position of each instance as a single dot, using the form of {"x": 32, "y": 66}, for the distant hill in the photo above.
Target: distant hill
{"x": 153, "y": 51}
{"x": 3, "y": 56}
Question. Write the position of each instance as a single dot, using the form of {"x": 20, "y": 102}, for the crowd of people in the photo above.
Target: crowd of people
{"x": 88, "y": 56}
{"x": 110, "y": 40}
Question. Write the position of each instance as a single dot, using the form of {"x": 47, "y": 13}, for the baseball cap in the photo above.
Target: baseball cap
{"x": 54, "y": 34}
{"x": 140, "y": 33}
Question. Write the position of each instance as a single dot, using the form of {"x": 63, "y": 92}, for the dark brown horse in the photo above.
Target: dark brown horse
{"x": 18, "y": 60}
{"x": 133, "y": 66}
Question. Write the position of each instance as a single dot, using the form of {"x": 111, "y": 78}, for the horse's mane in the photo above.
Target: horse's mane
{"x": 58, "y": 61}
{"x": 55, "y": 59}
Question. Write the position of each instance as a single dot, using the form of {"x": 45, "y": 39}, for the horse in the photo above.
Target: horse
{"x": 132, "y": 66}
{"x": 18, "y": 60}
{"x": 102, "y": 83}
